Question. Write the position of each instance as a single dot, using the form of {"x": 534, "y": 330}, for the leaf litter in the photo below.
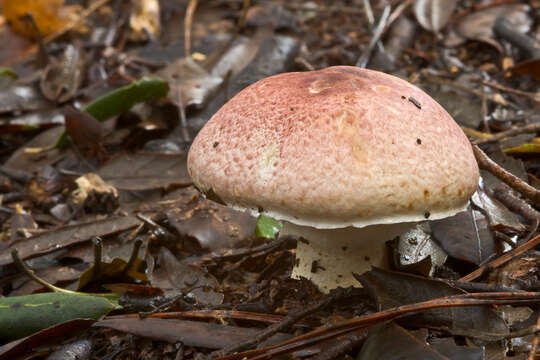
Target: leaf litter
{"x": 201, "y": 257}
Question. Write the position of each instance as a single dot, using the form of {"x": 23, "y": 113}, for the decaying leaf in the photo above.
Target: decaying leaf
{"x": 49, "y": 15}
{"x": 62, "y": 78}
{"x": 391, "y": 289}
{"x": 145, "y": 171}
{"x": 19, "y": 347}
{"x": 95, "y": 194}
{"x": 53, "y": 240}
{"x": 190, "y": 333}
{"x": 412, "y": 345}
{"x": 479, "y": 24}
{"x": 190, "y": 279}
{"x": 215, "y": 226}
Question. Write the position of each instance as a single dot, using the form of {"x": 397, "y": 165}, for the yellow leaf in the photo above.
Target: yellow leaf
{"x": 533, "y": 148}
{"x": 49, "y": 16}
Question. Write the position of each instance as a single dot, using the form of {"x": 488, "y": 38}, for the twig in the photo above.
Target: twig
{"x": 188, "y": 21}
{"x": 446, "y": 82}
{"x": 25, "y": 270}
{"x": 530, "y": 128}
{"x": 484, "y": 162}
{"x": 287, "y": 321}
{"x": 536, "y": 341}
{"x": 530, "y": 95}
{"x": 344, "y": 346}
{"x": 502, "y": 259}
{"x": 243, "y": 16}
{"x": 377, "y": 33}
{"x": 472, "y": 299}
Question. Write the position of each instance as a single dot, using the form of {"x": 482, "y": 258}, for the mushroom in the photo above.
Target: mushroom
{"x": 346, "y": 158}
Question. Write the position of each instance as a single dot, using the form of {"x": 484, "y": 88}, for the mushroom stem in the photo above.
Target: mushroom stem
{"x": 328, "y": 257}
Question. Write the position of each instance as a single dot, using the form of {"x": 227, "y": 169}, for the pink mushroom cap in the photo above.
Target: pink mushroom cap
{"x": 337, "y": 147}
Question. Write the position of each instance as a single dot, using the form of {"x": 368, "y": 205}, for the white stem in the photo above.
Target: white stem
{"x": 328, "y": 257}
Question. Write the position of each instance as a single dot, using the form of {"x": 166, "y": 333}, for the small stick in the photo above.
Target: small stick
{"x": 188, "y": 21}
{"x": 484, "y": 162}
{"x": 530, "y": 128}
{"x": 536, "y": 341}
{"x": 287, "y": 321}
{"x": 502, "y": 259}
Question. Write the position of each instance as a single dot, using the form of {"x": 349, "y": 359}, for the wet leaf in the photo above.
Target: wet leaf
{"x": 190, "y": 279}
{"x": 86, "y": 133}
{"x": 391, "y": 289}
{"x": 53, "y": 240}
{"x": 145, "y": 171}
{"x": 433, "y": 15}
{"x": 23, "y": 315}
{"x": 43, "y": 337}
{"x": 465, "y": 236}
{"x": 215, "y": 226}
{"x": 390, "y": 341}
{"x": 267, "y": 227}
{"x": 190, "y": 333}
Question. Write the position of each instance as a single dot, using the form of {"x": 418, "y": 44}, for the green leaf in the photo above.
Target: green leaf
{"x": 8, "y": 72}
{"x": 23, "y": 315}
{"x": 122, "y": 99}
{"x": 267, "y": 227}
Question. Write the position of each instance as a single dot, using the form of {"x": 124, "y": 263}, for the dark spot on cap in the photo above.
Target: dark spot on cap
{"x": 216, "y": 144}
{"x": 367, "y": 258}
{"x": 403, "y": 97}
{"x": 292, "y": 109}
{"x": 415, "y": 102}
{"x": 316, "y": 267}
{"x": 302, "y": 240}
{"x": 344, "y": 248}
{"x": 419, "y": 141}
{"x": 427, "y": 214}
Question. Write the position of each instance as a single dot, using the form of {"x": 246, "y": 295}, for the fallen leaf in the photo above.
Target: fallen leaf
{"x": 53, "y": 240}
{"x": 465, "y": 236}
{"x": 390, "y": 341}
{"x": 433, "y": 15}
{"x": 213, "y": 225}
{"x": 43, "y": 337}
{"x": 392, "y": 289}
{"x": 190, "y": 333}
{"x": 190, "y": 279}
{"x": 479, "y": 24}
{"x": 145, "y": 171}
{"x": 23, "y": 315}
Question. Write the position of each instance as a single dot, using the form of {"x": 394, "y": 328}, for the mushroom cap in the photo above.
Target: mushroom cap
{"x": 337, "y": 147}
